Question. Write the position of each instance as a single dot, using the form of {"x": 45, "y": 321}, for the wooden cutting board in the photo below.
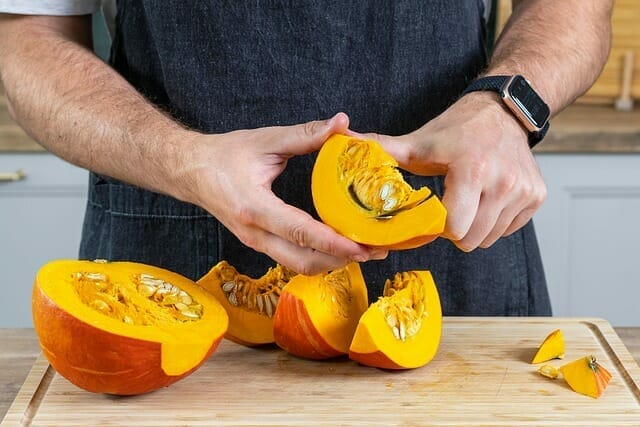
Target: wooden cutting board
{"x": 480, "y": 376}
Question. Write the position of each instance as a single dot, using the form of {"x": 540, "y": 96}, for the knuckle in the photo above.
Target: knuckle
{"x": 308, "y": 129}
{"x": 298, "y": 233}
{"x": 245, "y": 215}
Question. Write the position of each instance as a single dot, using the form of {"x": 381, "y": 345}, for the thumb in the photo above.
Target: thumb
{"x": 309, "y": 137}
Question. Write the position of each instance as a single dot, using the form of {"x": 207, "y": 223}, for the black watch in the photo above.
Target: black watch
{"x": 522, "y": 101}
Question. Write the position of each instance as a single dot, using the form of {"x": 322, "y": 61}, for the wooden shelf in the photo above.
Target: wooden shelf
{"x": 593, "y": 129}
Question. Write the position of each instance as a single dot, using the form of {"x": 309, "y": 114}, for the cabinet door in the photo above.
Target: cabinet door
{"x": 40, "y": 219}
{"x": 589, "y": 234}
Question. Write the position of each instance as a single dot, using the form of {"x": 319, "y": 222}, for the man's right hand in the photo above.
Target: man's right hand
{"x": 231, "y": 174}
{"x": 80, "y": 109}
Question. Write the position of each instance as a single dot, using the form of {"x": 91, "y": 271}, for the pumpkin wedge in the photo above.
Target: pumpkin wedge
{"x": 250, "y": 303}
{"x": 359, "y": 191}
{"x": 317, "y": 315}
{"x": 586, "y": 376}
{"x": 551, "y": 348}
{"x": 123, "y": 328}
{"x": 402, "y": 329}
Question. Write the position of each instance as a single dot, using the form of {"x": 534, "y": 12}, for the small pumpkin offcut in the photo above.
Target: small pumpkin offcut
{"x": 123, "y": 328}
{"x": 359, "y": 191}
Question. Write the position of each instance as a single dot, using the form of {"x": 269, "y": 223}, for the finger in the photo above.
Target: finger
{"x": 520, "y": 221}
{"x": 302, "y": 260}
{"x": 461, "y": 199}
{"x": 298, "y": 227}
{"x": 309, "y": 137}
{"x": 483, "y": 224}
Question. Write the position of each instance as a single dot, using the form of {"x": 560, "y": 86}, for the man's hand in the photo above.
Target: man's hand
{"x": 83, "y": 111}
{"x": 231, "y": 176}
{"x": 492, "y": 183}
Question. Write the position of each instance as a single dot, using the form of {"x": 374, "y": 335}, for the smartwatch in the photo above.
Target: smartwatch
{"x": 520, "y": 98}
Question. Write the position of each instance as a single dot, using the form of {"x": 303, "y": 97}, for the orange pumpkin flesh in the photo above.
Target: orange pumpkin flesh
{"x": 551, "y": 348}
{"x": 250, "y": 303}
{"x": 106, "y": 337}
{"x": 586, "y": 376}
{"x": 358, "y": 191}
{"x": 402, "y": 329}
{"x": 317, "y": 315}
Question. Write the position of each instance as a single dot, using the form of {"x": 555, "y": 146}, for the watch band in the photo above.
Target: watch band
{"x": 495, "y": 84}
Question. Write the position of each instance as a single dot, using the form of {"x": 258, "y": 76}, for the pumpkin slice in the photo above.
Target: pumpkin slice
{"x": 317, "y": 315}
{"x": 551, "y": 348}
{"x": 121, "y": 327}
{"x": 586, "y": 376}
{"x": 402, "y": 329}
{"x": 359, "y": 191}
{"x": 250, "y": 303}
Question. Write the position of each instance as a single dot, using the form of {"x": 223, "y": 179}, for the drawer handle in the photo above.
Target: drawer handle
{"x": 12, "y": 176}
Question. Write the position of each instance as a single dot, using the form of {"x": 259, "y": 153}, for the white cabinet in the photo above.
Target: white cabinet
{"x": 40, "y": 219}
{"x": 589, "y": 235}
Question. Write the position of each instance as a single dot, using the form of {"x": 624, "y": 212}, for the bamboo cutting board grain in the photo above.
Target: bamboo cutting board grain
{"x": 480, "y": 377}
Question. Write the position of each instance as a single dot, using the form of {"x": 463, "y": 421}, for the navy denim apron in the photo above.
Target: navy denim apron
{"x": 218, "y": 66}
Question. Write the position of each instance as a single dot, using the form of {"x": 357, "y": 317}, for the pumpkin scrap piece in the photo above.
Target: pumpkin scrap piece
{"x": 551, "y": 348}
{"x": 549, "y": 371}
{"x": 586, "y": 376}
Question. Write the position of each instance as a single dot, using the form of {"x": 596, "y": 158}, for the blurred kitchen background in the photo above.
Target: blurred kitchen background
{"x": 588, "y": 229}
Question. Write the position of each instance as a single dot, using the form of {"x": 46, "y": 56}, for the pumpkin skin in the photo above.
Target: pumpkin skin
{"x": 250, "y": 324}
{"x": 413, "y": 224}
{"x": 315, "y": 321}
{"x": 102, "y": 354}
{"x": 376, "y": 343}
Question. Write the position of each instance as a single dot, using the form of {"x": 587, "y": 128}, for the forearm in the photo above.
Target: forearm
{"x": 560, "y": 46}
{"x": 80, "y": 109}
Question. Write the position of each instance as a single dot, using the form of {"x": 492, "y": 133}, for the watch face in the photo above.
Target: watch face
{"x": 529, "y": 101}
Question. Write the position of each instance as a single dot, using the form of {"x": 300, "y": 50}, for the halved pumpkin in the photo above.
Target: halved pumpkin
{"x": 358, "y": 190}
{"x": 121, "y": 327}
{"x": 402, "y": 329}
{"x": 250, "y": 303}
{"x": 318, "y": 315}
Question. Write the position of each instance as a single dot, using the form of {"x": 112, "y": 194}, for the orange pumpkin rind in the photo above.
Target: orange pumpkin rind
{"x": 129, "y": 344}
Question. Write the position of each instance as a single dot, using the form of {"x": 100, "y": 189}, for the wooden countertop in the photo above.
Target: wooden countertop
{"x": 578, "y": 129}
{"x": 20, "y": 349}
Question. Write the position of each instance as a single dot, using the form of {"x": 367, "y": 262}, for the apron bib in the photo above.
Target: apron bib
{"x": 219, "y": 66}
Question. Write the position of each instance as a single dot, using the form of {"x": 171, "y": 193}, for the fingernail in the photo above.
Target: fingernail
{"x": 360, "y": 258}
{"x": 378, "y": 254}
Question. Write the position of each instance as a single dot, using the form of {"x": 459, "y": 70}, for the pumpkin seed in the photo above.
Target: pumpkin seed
{"x": 274, "y": 299}
{"x": 100, "y": 305}
{"x": 267, "y": 306}
{"x": 232, "y": 299}
{"x": 185, "y": 298}
{"x": 146, "y": 290}
{"x": 190, "y": 314}
{"x": 228, "y": 286}
{"x": 96, "y": 277}
{"x": 260, "y": 303}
